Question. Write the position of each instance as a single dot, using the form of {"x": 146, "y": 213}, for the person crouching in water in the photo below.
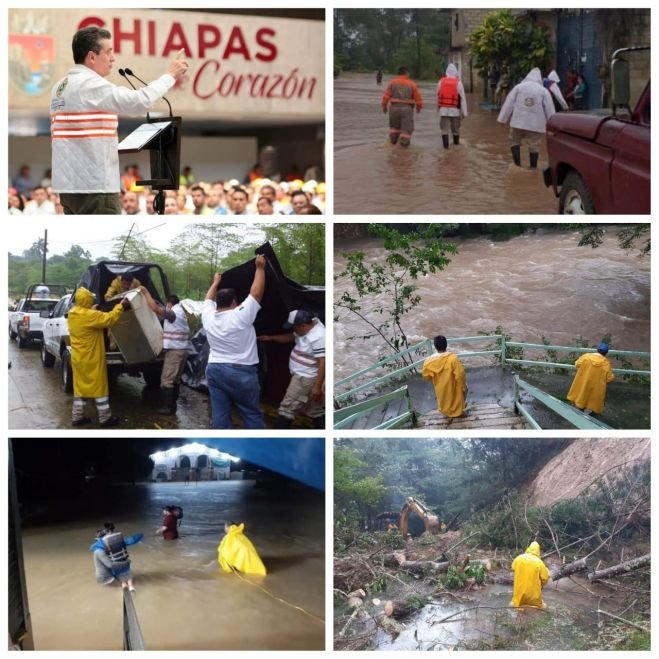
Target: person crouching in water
{"x": 169, "y": 528}
{"x": 448, "y": 378}
{"x": 530, "y": 577}
{"x": 114, "y": 545}
{"x": 236, "y": 552}
{"x": 451, "y": 104}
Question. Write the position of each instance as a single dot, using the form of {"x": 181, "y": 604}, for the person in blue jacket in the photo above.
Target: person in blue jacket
{"x": 111, "y": 558}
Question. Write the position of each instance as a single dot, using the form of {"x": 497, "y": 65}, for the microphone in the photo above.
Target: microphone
{"x": 122, "y": 73}
{"x": 130, "y": 73}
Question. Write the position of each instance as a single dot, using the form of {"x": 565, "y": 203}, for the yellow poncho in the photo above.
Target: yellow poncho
{"x": 531, "y": 574}
{"x": 588, "y": 389}
{"x": 448, "y": 378}
{"x": 90, "y": 374}
{"x": 237, "y": 551}
{"x": 115, "y": 287}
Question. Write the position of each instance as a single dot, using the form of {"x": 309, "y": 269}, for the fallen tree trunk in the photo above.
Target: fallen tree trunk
{"x": 400, "y": 609}
{"x": 423, "y": 567}
{"x": 621, "y": 568}
{"x": 568, "y": 569}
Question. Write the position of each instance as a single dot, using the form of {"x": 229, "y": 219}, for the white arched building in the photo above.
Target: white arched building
{"x": 191, "y": 462}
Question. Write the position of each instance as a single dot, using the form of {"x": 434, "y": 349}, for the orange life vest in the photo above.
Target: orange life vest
{"x": 448, "y": 96}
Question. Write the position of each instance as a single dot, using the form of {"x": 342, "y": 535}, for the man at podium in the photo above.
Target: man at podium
{"x": 84, "y": 109}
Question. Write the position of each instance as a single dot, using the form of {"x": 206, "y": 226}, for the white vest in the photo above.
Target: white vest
{"x": 83, "y": 114}
{"x": 176, "y": 335}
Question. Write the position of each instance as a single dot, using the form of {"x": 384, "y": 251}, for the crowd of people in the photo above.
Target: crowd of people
{"x": 254, "y": 195}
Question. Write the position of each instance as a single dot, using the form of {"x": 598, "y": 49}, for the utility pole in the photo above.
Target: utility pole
{"x": 44, "y": 256}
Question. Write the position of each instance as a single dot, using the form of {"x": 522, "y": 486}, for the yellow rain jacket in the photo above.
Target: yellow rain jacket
{"x": 448, "y": 378}
{"x": 115, "y": 287}
{"x": 237, "y": 551}
{"x": 90, "y": 374}
{"x": 531, "y": 574}
{"x": 588, "y": 388}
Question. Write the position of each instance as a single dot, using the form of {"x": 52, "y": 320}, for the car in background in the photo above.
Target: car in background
{"x": 26, "y": 320}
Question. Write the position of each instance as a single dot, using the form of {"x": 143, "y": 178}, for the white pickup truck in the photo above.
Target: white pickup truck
{"x": 26, "y": 321}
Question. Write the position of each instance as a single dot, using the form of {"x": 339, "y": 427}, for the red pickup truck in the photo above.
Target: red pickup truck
{"x": 601, "y": 164}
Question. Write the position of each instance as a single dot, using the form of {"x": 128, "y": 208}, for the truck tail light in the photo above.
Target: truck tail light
{"x": 26, "y": 322}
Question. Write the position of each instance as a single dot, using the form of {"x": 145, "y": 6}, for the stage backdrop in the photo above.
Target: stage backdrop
{"x": 242, "y": 68}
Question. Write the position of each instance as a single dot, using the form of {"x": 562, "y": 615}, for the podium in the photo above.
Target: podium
{"x": 162, "y": 138}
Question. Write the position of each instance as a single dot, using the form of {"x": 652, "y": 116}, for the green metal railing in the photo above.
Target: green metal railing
{"x": 423, "y": 348}
{"x": 571, "y": 414}
{"x": 418, "y": 353}
{"x": 346, "y": 416}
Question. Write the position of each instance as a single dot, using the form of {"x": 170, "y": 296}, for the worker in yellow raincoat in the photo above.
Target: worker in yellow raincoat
{"x": 236, "y": 552}
{"x": 448, "y": 378}
{"x": 121, "y": 284}
{"x": 594, "y": 372}
{"x": 531, "y": 575}
{"x": 90, "y": 375}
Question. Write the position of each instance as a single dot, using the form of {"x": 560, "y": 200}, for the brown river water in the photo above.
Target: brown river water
{"x": 183, "y": 600}
{"x": 477, "y": 176}
{"x": 534, "y": 285}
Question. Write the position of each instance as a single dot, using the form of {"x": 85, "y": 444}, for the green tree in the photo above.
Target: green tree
{"x": 511, "y": 41}
{"x": 630, "y": 237}
{"x": 408, "y": 257}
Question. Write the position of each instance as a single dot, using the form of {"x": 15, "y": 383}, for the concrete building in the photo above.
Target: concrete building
{"x": 582, "y": 39}
{"x": 194, "y": 462}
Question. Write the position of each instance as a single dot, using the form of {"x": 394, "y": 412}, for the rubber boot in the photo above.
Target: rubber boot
{"x": 168, "y": 401}
{"x": 456, "y": 140}
{"x": 318, "y": 422}
{"x": 517, "y": 156}
{"x": 533, "y": 157}
{"x": 445, "y": 141}
{"x": 283, "y": 423}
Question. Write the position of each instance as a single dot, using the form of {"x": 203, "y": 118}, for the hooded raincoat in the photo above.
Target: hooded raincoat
{"x": 86, "y": 325}
{"x": 448, "y": 378}
{"x": 531, "y": 574}
{"x": 551, "y": 83}
{"x": 451, "y": 110}
{"x": 529, "y": 105}
{"x": 588, "y": 389}
{"x": 237, "y": 552}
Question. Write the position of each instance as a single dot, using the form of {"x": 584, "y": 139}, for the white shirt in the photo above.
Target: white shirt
{"x": 83, "y": 111}
{"x": 32, "y": 208}
{"x": 176, "y": 335}
{"x": 231, "y": 333}
{"x": 307, "y": 351}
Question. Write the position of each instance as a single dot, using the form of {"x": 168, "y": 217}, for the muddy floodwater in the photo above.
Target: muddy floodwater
{"x": 183, "y": 600}
{"x": 534, "y": 285}
{"x": 477, "y": 176}
{"x": 482, "y": 620}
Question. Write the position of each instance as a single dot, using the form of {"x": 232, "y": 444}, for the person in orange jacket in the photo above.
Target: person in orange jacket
{"x": 400, "y": 98}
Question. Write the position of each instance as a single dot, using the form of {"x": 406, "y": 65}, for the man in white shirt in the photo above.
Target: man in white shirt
{"x": 232, "y": 371}
{"x": 84, "y": 109}
{"x": 306, "y": 390}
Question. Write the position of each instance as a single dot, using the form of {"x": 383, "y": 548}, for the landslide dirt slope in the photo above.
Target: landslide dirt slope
{"x": 583, "y": 462}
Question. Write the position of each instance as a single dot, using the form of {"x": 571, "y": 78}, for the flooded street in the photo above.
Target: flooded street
{"x": 477, "y": 176}
{"x": 534, "y": 285}
{"x": 183, "y": 600}
{"x": 36, "y": 399}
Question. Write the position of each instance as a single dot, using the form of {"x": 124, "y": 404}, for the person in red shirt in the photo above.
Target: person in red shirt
{"x": 169, "y": 526}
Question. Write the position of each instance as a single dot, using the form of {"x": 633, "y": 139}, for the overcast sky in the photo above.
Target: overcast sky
{"x": 94, "y": 235}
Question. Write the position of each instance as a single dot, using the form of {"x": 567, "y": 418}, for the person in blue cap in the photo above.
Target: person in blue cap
{"x": 594, "y": 372}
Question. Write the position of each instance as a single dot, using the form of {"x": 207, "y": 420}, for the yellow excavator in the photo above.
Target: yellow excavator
{"x": 412, "y": 505}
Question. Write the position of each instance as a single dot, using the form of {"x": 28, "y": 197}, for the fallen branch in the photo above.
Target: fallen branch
{"x": 452, "y": 547}
{"x": 496, "y": 608}
{"x": 619, "y": 619}
{"x": 622, "y": 568}
{"x": 568, "y": 569}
